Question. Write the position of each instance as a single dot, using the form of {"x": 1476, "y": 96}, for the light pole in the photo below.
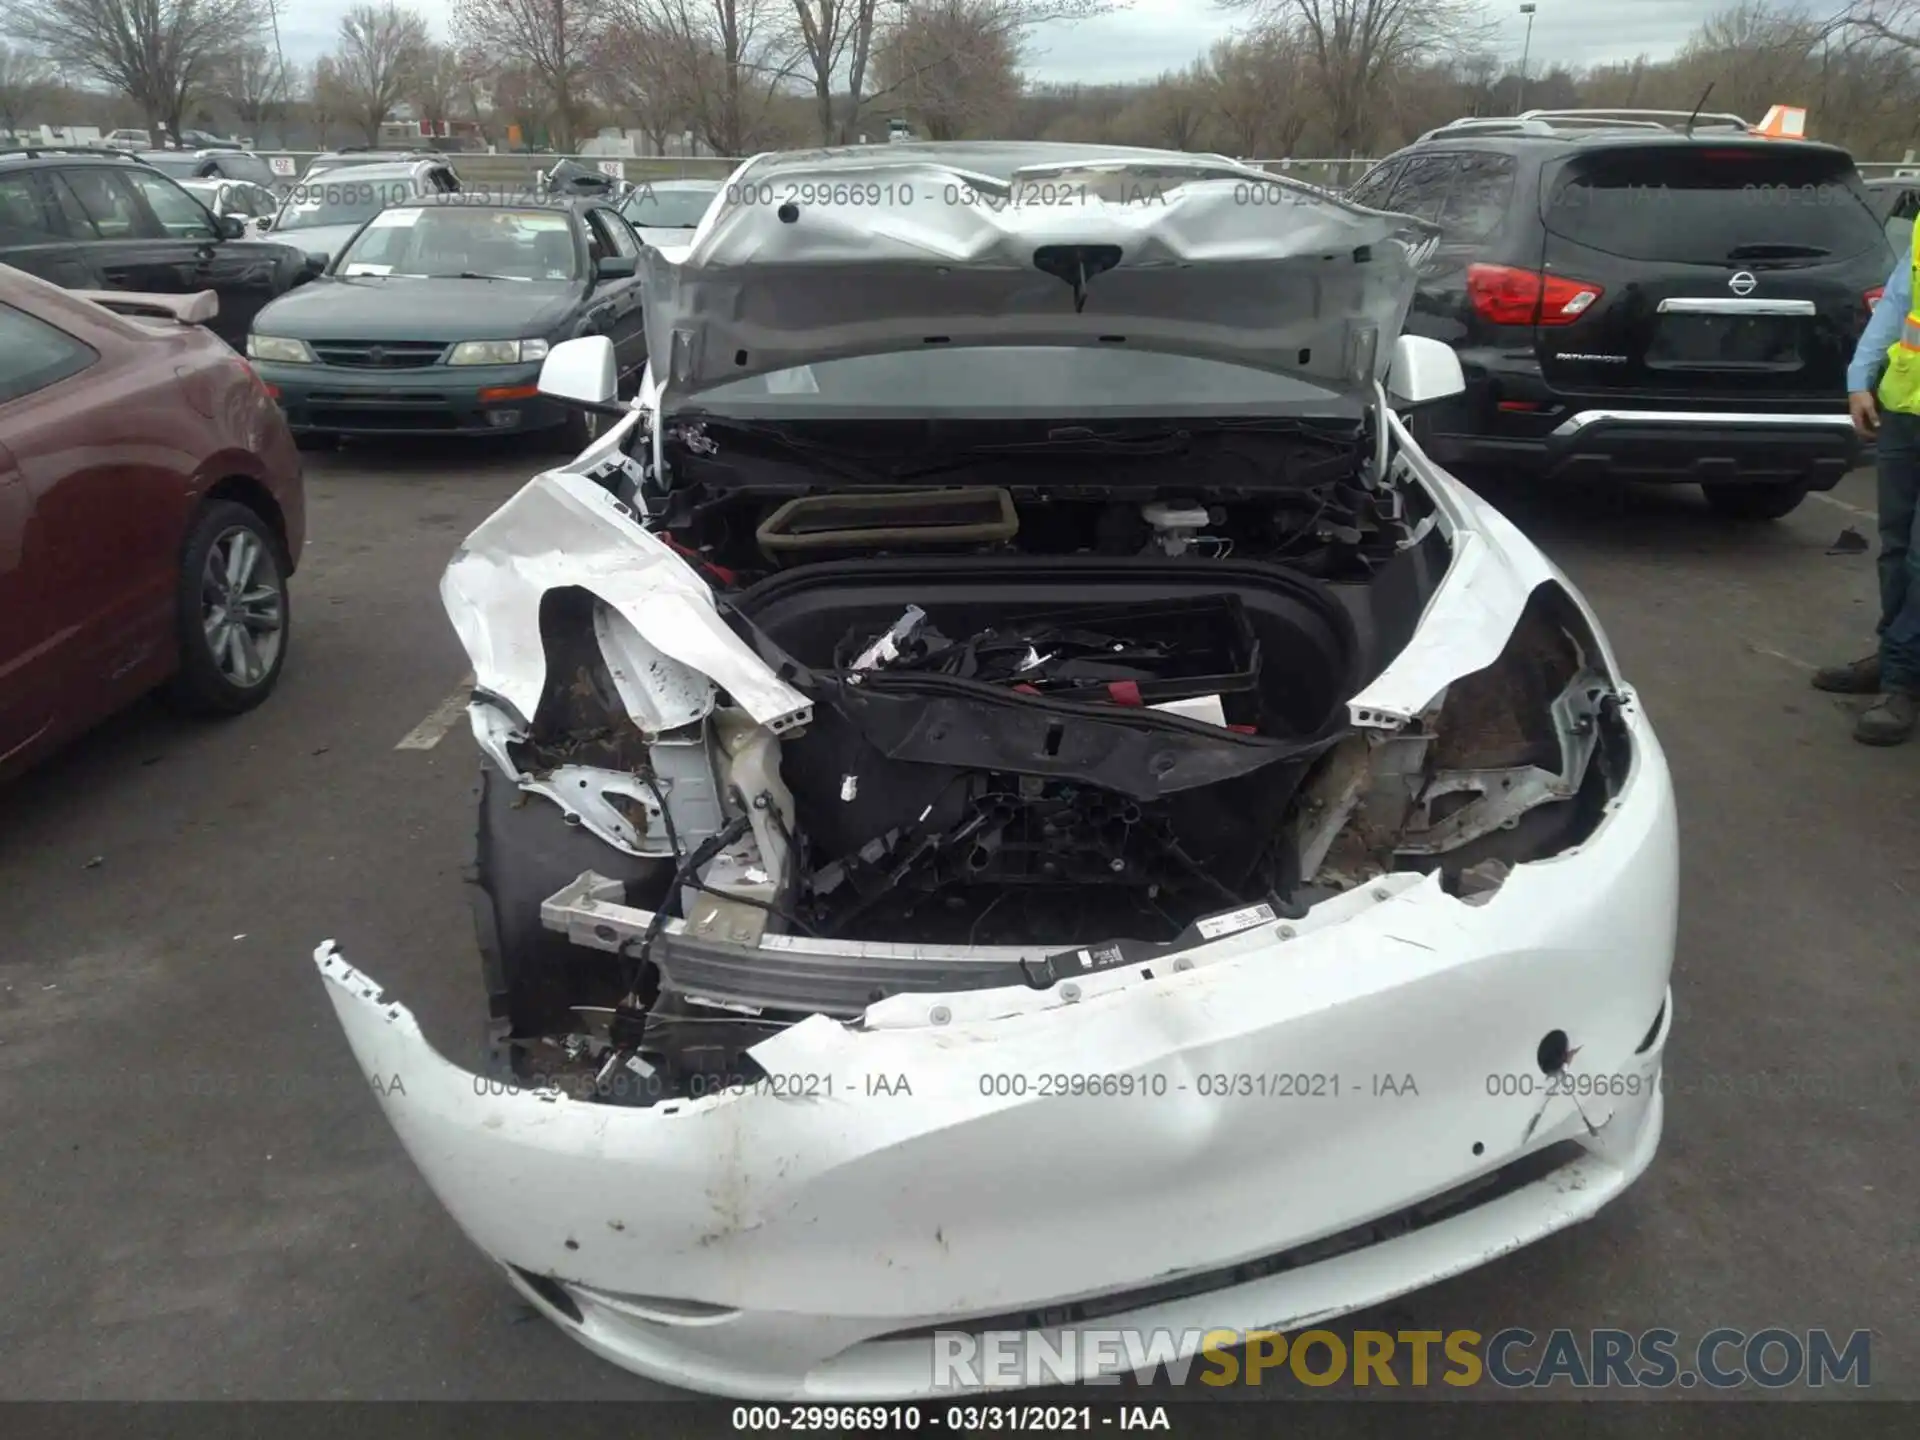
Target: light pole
{"x": 1526, "y": 52}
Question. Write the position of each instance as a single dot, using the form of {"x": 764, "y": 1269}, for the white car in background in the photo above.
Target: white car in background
{"x": 665, "y": 213}
{"x": 324, "y": 211}
{"x": 1016, "y": 797}
{"x": 242, "y": 199}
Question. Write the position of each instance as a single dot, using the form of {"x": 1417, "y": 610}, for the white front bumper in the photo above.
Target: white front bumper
{"x": 758, "y": 1244}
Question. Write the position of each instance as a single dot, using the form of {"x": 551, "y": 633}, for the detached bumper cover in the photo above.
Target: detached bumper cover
{"x": 939, "y": 1166}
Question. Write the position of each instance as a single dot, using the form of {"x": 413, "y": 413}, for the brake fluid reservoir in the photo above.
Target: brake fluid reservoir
{"x": 1174, "y": 526}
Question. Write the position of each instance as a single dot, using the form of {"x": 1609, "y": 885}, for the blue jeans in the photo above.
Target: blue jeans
{"x": 1899, "y": 464}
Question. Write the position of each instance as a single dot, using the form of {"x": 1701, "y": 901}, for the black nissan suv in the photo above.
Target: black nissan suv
{"x": 96, "y": 220}
{"x": 1644, "y": 295}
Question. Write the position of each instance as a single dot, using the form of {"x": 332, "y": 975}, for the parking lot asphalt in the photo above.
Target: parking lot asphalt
{"x": 202, "y": 1200}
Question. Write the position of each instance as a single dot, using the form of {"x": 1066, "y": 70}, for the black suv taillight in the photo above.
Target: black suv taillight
{"x": 1507, "y": 295}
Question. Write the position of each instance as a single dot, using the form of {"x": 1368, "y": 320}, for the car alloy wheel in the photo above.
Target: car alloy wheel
{"x": 242, "y": 607}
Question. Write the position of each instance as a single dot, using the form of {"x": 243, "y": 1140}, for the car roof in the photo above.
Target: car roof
{"x": 1564, "y": 132}
{"x": 497, "y": 200}
{"x": 681, "y": 183}
{"x": 383, "y": 170}
{"x": 1613, "y": 140}
{"x": 56, "y": 155}
{"x": 375, "y": 156}
{"x": 997, "y": 158}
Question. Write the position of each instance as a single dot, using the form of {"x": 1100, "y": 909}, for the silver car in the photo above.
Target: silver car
{"x": 211, "y": 165}
{"x": 321, "y": 214}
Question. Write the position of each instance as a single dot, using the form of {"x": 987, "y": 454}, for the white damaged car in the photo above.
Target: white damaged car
{"x": 1017, "y": 798}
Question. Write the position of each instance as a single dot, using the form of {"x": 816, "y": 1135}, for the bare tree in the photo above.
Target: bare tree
{"x": 835, "y": 36}
{"x": 25, "y": 79}
{"x": 256, "y": 84}
{"x": 1357, "y": 46}
{"x": 1478, "y": 75}
{"x": 521, "y": 101}
{"x": 1071, "y": 113}
{"x": 380, "y": 51}
{"x": 329, "y": 99}
{"x": 436, "y": 84}
{"x": 1623, "y": 83}
{"x": 955, "y": 64}
{"x": 554, "y": 40}
{"x": 1894, "y": 21}
{"x": 738, "y": 54}
{"x": 161, "y": 54}
{"x": 1265, "y": 94}
{"x": 641, "y": 73}
{"x": 1261, "y": 93}
{"x": 1007, "y": 24}
{"x": 475, "y": 73}
{"x": 1866, "y": 91}
{"x": 1752, "y": 54}
{"x": 1178, "y": 108}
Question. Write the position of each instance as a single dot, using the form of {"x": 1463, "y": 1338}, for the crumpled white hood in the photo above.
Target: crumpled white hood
{"x": 821, "y": 257}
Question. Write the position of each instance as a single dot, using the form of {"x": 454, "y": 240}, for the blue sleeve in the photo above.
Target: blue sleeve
{"x": 1883, "y": 328}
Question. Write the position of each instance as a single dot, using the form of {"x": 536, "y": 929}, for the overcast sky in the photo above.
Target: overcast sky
{"x": 1151, "y": 36}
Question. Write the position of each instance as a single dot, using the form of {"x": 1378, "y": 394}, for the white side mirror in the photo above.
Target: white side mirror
{"x": 1423, "y": 369}
{"x": 581, "y": 370}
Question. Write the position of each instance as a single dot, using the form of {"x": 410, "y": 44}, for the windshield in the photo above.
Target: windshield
{"x": 1044, "y": 380}
{"x": 651, "y": 209}
{"x": 344, "y": 200}
{"x": 453, "y": 240}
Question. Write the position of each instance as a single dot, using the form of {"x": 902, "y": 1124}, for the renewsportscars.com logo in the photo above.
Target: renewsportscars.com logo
{"x": 1513, "y": 1358}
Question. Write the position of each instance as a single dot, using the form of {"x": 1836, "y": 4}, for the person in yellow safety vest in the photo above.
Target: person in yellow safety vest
{"x": 1889, "y": 411}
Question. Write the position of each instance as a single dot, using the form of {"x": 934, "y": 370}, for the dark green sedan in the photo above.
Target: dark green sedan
{"x": 435, "y": 318}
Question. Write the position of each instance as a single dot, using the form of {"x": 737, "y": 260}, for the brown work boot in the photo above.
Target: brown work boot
{"x": 1861, "y": 677}
{"x": 1890, "y": 721}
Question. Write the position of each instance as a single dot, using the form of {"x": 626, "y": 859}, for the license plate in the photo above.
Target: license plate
{"x": 1726, "y": 342}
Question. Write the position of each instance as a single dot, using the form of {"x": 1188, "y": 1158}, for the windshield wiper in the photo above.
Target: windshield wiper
{"x": 470, "y": 275}
{"x": 1777, "y": 250}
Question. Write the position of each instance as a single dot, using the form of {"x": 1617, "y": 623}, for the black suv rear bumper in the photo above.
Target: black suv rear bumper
{"x": 1704, "y": 447}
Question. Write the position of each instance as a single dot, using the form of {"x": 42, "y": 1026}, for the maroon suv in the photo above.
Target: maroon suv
{"x": 150, "y": 513}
